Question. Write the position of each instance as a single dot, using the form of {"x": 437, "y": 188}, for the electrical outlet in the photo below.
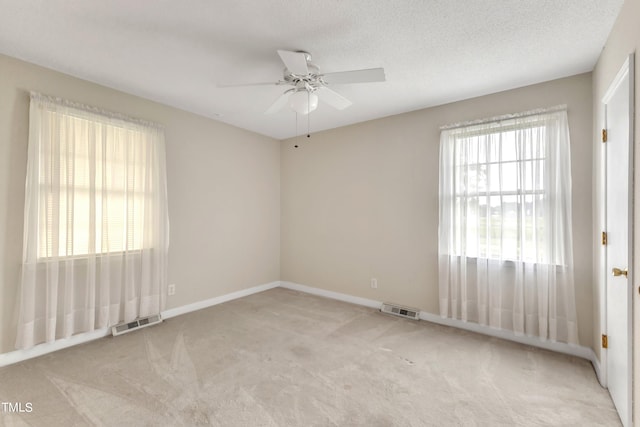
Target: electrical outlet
{"x": 374, "y": 283}
{"x": 171, "y": 289}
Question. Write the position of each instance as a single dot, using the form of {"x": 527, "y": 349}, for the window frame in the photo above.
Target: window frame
{"x": 463, "y": 196}
{"x": 137, "y": 245}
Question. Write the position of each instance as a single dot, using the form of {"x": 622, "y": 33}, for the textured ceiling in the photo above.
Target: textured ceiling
{"x": 433, "y": 51}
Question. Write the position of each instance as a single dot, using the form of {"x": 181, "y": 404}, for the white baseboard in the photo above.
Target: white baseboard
{"x": 42, "y": 349}
{"x": 330, "y": 294}
{"x": 596, "y": 367}
{"x": 173, "y": 312}
{"x": 573, "y": 350}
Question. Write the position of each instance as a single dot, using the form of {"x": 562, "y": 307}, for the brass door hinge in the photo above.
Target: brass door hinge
{"x": 605, "y": 341}
{"x": 604, "y": 238}
{"x": 604, "y": 135}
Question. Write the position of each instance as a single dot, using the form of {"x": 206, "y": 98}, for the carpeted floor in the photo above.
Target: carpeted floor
{"x": 283, "y": 358}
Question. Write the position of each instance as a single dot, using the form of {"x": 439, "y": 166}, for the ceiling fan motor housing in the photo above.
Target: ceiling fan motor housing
{"x": 312, "y": 80}
{"x": 308, "y": 85}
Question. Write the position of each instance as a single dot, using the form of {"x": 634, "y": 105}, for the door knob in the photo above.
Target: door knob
{"x": 617, "y": 272}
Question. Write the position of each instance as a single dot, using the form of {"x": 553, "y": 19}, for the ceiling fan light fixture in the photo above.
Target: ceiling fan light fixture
{"x": 303, "y": 101}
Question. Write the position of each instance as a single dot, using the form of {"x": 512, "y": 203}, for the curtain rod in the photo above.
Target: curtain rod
{"x": 528, "y": 113}
{"x": 91, "y": 109}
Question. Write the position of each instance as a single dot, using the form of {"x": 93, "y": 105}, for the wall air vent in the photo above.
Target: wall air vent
{"x": 142, "y": 322}
{"x": 398, "y": 310}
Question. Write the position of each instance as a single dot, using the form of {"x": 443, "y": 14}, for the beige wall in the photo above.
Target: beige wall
{"x": 362, "y": 201}
{"x": 223, "y": 184}
{"x": 623, "y": 40}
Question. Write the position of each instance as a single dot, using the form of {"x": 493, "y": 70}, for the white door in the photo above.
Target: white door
{"x": 618, "y": 218}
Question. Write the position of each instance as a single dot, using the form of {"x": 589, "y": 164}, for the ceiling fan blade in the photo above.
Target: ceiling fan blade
{"x": 280, "y": 103}
{"x": 250, "y": 84}
{"x": 355, "y": 76}
{"x": 296, "y": 62}
{"x": 332, "y": 98}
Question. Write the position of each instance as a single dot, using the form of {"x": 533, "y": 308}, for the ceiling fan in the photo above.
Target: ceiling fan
{"x": 308, "y": 84}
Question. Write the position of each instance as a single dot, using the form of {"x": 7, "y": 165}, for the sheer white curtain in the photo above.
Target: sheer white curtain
{"x": 96, "y": 229}
{"x": 505, "y": 238}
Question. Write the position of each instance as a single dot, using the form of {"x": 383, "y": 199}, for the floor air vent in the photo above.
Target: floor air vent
{"x": 398, "y": 310}
{"x": 143, "y": 322}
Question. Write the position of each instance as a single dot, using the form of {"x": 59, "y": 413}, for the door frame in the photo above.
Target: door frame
{"x": 627, "y": 68}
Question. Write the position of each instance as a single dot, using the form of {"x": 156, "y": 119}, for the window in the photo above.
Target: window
{"x": 501, "y": 189}
{"x": 500, "y": 193}
{"x": 95, "y": 186}
{"x": 505, "y": 242}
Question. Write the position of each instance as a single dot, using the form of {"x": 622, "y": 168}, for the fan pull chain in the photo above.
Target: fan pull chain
{"x": 308, "y": 114}
{"x": 295, "y": 134}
